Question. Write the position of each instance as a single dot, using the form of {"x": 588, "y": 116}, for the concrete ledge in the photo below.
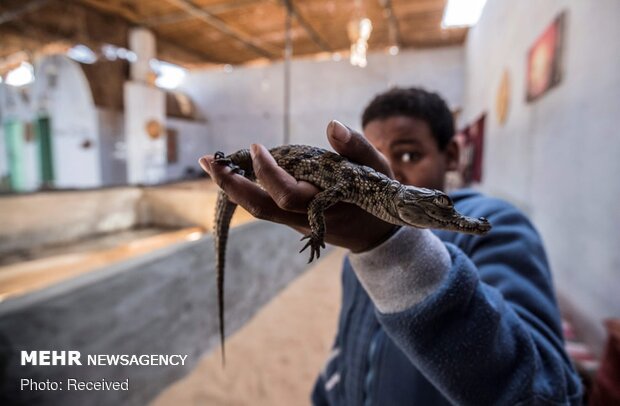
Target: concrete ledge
{"x": 161, "y": 303}
{"x": 51, "y": 218}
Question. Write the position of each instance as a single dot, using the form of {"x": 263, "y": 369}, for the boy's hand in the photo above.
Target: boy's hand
{"x": 285, "y": 200}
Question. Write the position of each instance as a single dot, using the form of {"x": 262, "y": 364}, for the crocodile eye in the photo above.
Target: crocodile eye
{"x": 443, "y": 200}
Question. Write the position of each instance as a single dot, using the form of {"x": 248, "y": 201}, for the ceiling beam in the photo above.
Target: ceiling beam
{"x": 125, "y": 10}
{"x": 314, "y": 36}
{"x": 216, "y": 8}
{"x": 182, "y": 55}
{"x": 30, "y": 6}
{"x": 246, "y": 40}
{"x": 395, "y": 37}
{"x": 168, "y": 49}
{"x": 99, "y": 31}
{"x": 38, "y": 35}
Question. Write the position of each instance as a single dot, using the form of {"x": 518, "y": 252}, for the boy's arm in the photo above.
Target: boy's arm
{"x": 483, "y": 329}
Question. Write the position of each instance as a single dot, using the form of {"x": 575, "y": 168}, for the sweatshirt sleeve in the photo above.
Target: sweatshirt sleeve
{"x": 403, "y": 270}
{"x": 484, "y": 328}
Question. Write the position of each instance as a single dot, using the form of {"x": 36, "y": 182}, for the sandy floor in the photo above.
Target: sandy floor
{"x": 275, "y": 358}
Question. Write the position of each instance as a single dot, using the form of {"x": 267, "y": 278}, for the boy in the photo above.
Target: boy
{"x": 427, "y": 317}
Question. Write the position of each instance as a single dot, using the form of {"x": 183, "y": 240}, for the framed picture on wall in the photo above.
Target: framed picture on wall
{"x": 544, "y": 60}
{"x": 471, "y": 143}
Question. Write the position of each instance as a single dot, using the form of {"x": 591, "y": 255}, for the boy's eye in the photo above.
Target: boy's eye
{"x": 409, "y": 157}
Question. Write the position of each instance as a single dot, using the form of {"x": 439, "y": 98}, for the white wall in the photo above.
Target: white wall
{"x": 558, "y": 156}
{"x": 111, "y": 124}
{"x": 193, "y": 142}
{"x": 146, "y": 157}
{"x": 246, "y": 105}
{"x": 68, "y": 102}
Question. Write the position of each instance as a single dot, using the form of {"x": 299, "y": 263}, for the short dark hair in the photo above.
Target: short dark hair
{"x": 413, "y": 102}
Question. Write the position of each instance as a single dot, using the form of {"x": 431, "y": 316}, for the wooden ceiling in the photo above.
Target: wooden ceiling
{"x": 203, "y": 32}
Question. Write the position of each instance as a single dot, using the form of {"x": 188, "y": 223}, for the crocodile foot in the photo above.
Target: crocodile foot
{"x": 315, "y": 243}
{"x": 220, "y": 158}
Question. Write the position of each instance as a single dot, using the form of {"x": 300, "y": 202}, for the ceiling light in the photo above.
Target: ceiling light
{"x": 169, "y": 75}
{"x": 109, "y": 51}
{"x": 122, "y": 53}
{"x": 82, "y": 54}
{"x": 462, "y": 13}
{"x": 359, "y": 31}
{"x": 112, "y": 53}
{"x": 365, "y": 28}
{"x": 20, "y": 76}
{"x": 132, "y": 56}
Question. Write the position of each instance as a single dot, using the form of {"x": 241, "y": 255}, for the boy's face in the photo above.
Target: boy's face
{"x": 412, "y": 150}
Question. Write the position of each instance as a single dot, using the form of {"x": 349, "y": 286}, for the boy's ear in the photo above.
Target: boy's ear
{"x": 452, "y": 154}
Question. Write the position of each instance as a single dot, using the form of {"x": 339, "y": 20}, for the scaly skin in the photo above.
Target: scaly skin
{"x": 340, "y": 181}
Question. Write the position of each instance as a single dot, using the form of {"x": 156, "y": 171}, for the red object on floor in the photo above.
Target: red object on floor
{"x": 606, "y": 389}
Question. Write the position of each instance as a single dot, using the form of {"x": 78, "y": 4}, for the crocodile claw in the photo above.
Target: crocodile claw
{"x": 220, "y": 159}
{"x": 315, "y": 243}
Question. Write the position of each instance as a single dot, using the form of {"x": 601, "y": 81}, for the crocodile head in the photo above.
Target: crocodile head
{"x": 427, "y": 208}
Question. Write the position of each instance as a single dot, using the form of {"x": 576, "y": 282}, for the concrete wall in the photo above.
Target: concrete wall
{"x": 557, "y": 157}
{"x": 51, "y": 218}
{"x": 246, "y": 105}
{"x": 161, "y": 303}
{"x": 169, "y": 206}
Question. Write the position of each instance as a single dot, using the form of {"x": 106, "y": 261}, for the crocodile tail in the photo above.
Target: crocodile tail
{"x": 223, "y": 214}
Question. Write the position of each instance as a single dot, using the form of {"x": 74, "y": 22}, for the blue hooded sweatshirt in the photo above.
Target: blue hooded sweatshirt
{"x": 489, "y": 333}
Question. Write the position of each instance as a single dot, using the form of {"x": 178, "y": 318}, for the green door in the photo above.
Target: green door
{"x": 43, "y": 132}
{"x": 14, "y": 141}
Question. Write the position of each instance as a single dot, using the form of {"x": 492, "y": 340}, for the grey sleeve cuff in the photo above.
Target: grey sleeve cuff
{"x": 404, "y": 270}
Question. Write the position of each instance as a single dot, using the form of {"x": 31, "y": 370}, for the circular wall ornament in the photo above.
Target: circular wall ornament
{"x": 153, "y": 129}
{"x": 502, "y": 102}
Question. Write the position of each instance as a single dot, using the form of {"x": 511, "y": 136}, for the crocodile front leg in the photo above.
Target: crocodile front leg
{"x": 220, "y": 159}
{"x": 316, "y": 217}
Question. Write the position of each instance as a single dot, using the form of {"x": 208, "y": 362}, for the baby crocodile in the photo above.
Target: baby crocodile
{"x": 341, "y": 181}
